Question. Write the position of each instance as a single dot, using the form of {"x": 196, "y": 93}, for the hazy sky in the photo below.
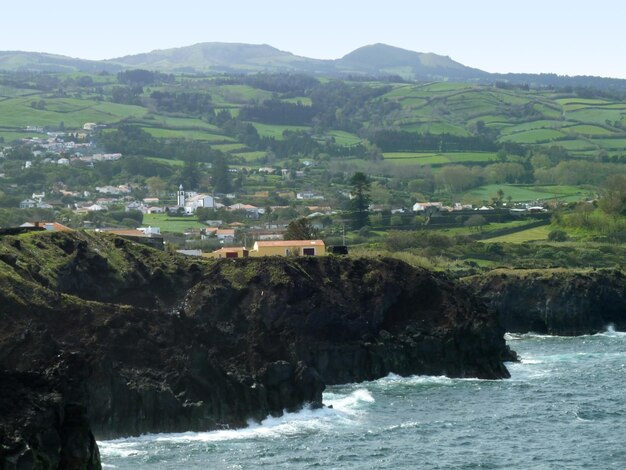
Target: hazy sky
{"x": 568, "y": 37}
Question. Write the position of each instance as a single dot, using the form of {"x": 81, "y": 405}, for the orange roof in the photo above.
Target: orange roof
{"x": 291, "y": 243}
{"x": 55, "y": 226}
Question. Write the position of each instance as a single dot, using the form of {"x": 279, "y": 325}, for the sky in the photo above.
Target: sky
{"x": 566, "y": 37}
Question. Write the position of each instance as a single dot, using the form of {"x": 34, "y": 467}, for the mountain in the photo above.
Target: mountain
{"x": 17, "y": 61}
{"x": 223, "y": 57}
{"x": 380, "y": 59}
{"x": 372, "y": 60}
{"x": 376, "y": 59}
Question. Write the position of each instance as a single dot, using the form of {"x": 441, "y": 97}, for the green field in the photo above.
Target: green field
{"x": 250, "y": 156}
{"x": 228, "y": 148}
{"x": 276, "y": 131}
{"x": 414, "y": 158}
{"x": 589, "y": 130}
{"x": 532, "y": 234}
{"x": 165, "y": 161}
{"x": 177, "y": 123}
{"x": 172, "y": 224}
{"x": 345, "y": 138}
{"x": 527, "y": 193}
{"x": 534, "y": 136}
{"x": 612, "y": 144}
{"x": 18, "y": 113}
{"x": 188, "y": 134}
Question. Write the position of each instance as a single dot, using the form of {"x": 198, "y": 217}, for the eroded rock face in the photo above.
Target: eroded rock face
{"x": 161, "y": 343}
{"x": 555, "y": 302}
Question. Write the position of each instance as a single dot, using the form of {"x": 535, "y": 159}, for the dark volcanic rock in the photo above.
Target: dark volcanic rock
{"x": 130, "y": 340}
{"x": 558, "y": 302}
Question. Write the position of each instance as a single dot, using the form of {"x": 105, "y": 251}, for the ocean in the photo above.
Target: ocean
{"x": 563, "y": 407}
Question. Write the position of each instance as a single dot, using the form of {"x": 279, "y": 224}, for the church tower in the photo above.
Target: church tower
{"x": 181, "y": 196}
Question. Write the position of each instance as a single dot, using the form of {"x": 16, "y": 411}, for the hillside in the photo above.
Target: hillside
{"x": 41, "y": 62}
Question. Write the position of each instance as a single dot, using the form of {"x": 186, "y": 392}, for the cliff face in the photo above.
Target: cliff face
{"x": 107, "y": 338}
{"x": 555, "y": 301}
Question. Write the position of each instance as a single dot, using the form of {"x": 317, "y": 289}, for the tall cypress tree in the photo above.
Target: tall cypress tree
{"x": 221, "y": 177}
{"x": 360, "y": 199}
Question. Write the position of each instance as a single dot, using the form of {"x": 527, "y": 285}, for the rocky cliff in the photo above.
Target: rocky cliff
{"x": 104, "y": 337}
{"x": 559, "y": 302}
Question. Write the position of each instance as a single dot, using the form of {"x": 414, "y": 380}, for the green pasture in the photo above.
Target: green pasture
{"x": 444, "y": 87}
{"x": 9, "y": 136}
{"x": 168, "y": 223}
{"x": 303, "y": 100}
{"x": 611, "y": 144}
{"x": 532, "y": 234}
{"x": 19, "y": 113}
{"x": 276, "y": 131}
{"x": 345, "y": 138}
{"x": 577, "y": 145}
{"x": 10, "y": 92}
{"x": 588, "y": 130}
{"x": 250, "y": 157}
{"x": 525, "y": 193}
{"x": 412, "y": 102}
{"x": 228, "y": 148}
{"x": 436, "y": 128}
{"x": 177, "y": 123}
{"x": 575, "y": 101}
{"x": 510, "y": 98}
{"x": 548, "y": 110}
{"x": 414, "y": 158}
{"x": 188, "y": 134}
{"x": 165, "y": 161}
{"x": 534, "y": 125}
{"x": 238, "y": 94}
{"x": 534, "y": 136}
{"x": 595, "y": 115}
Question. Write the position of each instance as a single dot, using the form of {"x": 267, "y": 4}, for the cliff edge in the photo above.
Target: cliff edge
{"x": 103, "y": 337}
{"x": 554, "y": 301}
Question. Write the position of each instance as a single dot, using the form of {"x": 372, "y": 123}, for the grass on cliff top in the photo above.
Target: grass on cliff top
{"x": 43, "y": 255}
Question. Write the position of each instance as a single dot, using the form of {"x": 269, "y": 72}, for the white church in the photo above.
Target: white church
{"x": 191, "y": 200}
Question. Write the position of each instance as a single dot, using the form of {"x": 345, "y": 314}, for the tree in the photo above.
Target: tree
{"x": 190, "y": 175}
{"x": 476, "y": 221}
{"x": 360, "y": 199}
{"x": 221, "y": 177}
{"x": 613, "y": 199}
{"x": 157, "y": 186}
{"x": 301, "y": 229}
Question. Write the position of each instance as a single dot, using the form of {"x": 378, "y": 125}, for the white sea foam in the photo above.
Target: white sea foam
{"x": 611, "y": 332}
{"x": 123, "y": 448}
{"x": 305, "y": 422}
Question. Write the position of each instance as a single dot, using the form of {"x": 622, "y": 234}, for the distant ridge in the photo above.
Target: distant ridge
{"x": 381, "y": 58}
{"x": 375, "y": 60}
{"x": 220, "y": 57}
{"x": 17, "y": 61}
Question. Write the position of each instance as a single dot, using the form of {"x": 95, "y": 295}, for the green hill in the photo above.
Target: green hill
{"x": 222, "y": 57}
{"x": 381, "y": 58}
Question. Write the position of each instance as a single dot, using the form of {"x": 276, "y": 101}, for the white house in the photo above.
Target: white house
{"x": 422, "y": 206}
{"x": 28, "y": 204}
{"x": 200, "y": 200}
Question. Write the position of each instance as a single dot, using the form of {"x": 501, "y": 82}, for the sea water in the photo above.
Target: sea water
{"x": 563, "y": 407}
